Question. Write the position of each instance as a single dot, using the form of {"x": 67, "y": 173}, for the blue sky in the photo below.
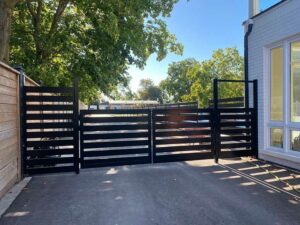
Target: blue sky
{"x": 202, "y": 26}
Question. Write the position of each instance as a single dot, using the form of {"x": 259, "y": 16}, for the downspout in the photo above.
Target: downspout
{"x": 249, "y": 28}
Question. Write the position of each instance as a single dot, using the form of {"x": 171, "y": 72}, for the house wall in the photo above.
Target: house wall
{"x": 270, "y": 27}
{"x": 10, "y": 165}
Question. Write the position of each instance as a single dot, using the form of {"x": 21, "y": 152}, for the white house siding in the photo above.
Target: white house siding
{"x": 270, "y": 27}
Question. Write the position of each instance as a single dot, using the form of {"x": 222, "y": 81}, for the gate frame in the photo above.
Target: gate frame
{"x": 254, "y": 119}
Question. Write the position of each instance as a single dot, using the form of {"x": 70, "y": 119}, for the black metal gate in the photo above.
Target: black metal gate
{"x": 51, "y": 127}
{"x": 115, "y": 137}
{"x": 182, "y": 134}
{"x": 50, "y": 130}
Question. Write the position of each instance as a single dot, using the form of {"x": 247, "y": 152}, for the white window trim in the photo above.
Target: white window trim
{"x": 286, "y": 125}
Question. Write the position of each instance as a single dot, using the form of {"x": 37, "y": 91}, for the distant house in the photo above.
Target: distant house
{"x": 272, "y": 52}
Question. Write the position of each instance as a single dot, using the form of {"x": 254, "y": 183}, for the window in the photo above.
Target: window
{"x": 295, "y": 82}
{"x": 277, "y": 84}
{"x": 295, "y": 140}
{"x": 283, "y": 124}
{"x": 276, "y": 138}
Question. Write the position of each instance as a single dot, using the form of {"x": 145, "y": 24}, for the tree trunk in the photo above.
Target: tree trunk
{"x": 6, "y": 8}
{"x": 5, "y": 22}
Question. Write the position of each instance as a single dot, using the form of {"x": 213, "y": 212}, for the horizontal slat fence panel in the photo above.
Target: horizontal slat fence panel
{"x": 50, "y": 136}
{"x": 236, "y": 132}
{"x": 115, "y": 137}
{"x": 181, "y": 134}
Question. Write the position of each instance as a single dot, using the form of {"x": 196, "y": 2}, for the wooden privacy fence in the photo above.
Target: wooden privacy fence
{"x": 10, "y": 156}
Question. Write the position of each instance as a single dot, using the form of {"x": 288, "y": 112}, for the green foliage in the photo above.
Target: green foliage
{"x": 149, "y": 91}
{"x": 180, "y": 79}
{"x": 190, "y": 80}
{"x": 55, "y": 40}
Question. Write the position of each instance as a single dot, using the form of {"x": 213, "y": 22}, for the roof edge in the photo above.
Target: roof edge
{"x": 269, "y": 9}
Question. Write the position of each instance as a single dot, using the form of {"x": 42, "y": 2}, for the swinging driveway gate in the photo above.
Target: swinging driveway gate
{"x": 58, "y": 139}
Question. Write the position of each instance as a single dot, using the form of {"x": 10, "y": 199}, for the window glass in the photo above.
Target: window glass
{"x": 295, "y": 82}
{"x": 276, "y": 103}
{"x": 276, "y": 137}
{"x": 295, "y": 140}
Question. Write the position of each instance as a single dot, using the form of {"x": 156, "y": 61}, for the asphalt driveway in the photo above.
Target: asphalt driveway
{"x": 173, "y": 193}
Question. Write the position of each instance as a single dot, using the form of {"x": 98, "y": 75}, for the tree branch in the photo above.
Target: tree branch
{"x": 30, "y": 8}
{"x": 58, "y": 14}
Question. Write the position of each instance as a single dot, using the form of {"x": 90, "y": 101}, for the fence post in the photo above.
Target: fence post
{"x": 255, "y": 118}
{"x": 150, "y": 141}
{"x": 153, "y": 136}
{"x": 76, "y": 124}
{"x": 22, "y": 110}
{"x": 216, "y": 123}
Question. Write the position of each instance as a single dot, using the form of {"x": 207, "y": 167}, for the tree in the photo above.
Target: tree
{"x": 190, "y": 80}
{"x": 55, "y": 40}
{"x": 6, "y": 9}
{"x": 123, "y": 93}
{"x": 180, "y": 79}
{"x": 149, "y": 91}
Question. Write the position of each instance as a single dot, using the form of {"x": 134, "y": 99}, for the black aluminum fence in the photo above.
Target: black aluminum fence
{"x": 51, "y": 126}
{"x": 50, "y": 130}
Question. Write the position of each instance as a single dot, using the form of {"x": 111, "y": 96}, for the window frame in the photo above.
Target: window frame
{"x": 287, "y": 125}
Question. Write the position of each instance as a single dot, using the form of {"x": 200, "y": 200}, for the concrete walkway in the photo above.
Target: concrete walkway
{"x": 174, "y": 193}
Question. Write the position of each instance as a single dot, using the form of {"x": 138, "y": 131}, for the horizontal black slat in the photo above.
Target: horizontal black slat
{"x": 49, "y": 108}
{"x": 115, "y": 127}
{"x": 236, "y": 138}
{"x": 115, "y": 136}
{"x": 48, "y": 116}
{"x": 183, "y": 148}
{"x": 236, "y": 99}
{"x": 175, "y": 117}
{"x": 236, "y": 145}
{"x": 51, "y": 98}
{"x": 115, "y": 111}
{"x": 231, "y": 105}
{"x": 235, "y": 131}
{"x": 115, "y": 152}
{"x": 55, "y": 143}
{"x": 49, "y": 125}
{"x": 49, "y": 161}
{"x": 52, "y": 134}
{"x": 115, "y": 162}
{"x": 49, "y": 90}
{"x": 239, "y": 153}
{"x": 235, "y": 116}
{"x": 43, "y": 153}
{"x": 113, "y": 119}
{"x": 182, "y": 157}
{"x": 181, "y": 125}
{"x": 236, "y": 110}
{"x": 172, "y": 111}
{"x": 44, "y": 170}
{"x": 182, "y": 141}
{"x": 114, "y": 144}
{"x": 182, "y": 133}
{"x": 235, "y": 124}
{"x": 179, "y": 111}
